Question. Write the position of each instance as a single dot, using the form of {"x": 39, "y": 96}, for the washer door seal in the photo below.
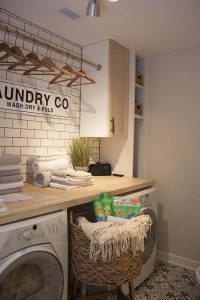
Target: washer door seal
{"x": 150, "y": 241}
{"x": 34, "y": 273}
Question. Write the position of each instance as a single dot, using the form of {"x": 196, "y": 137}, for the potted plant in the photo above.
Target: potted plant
{"x": 80, "y": 151}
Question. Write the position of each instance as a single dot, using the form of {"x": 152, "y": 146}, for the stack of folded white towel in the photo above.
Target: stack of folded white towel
{"x": 43, "y": 165}
{"x": 11, "y": 179}
{"x": 69, "y": 179}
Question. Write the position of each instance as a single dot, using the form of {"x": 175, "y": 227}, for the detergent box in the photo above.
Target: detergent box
{"x": 126, "y": 208}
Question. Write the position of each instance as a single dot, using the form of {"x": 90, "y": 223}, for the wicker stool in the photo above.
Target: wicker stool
{"x": 107, "y": 274}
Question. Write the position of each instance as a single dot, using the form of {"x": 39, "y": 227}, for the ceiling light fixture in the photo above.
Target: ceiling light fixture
{"x": 93, "y": 8}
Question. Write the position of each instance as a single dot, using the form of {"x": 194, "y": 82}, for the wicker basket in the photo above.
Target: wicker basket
{"x": 117, "y": 272}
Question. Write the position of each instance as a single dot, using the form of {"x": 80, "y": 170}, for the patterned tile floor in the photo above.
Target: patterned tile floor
{"x": 169, "y": 282}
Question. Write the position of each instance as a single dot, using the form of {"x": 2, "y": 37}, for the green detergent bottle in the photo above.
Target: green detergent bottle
{"x": 107, "y": 202}
{"x": 98, "y": 209}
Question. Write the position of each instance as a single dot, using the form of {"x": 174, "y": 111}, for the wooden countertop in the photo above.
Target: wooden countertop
{"x": 47, "y": 199}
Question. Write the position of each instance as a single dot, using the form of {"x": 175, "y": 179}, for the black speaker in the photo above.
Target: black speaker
{"x": 99, "y": 169}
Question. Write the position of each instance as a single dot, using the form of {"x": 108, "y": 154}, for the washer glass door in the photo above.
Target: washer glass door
{"x": 150, "y": 240}
{"x": 36, "y": 275}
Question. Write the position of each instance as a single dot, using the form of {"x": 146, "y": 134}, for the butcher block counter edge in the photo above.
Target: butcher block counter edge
{"x": 46, "y": 200}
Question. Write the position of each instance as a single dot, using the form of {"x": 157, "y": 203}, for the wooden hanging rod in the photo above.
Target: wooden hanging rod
{"x": 16, "y": 32}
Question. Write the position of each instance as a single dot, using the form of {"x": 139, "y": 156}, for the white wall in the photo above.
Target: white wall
{"x": 173, "y": 149}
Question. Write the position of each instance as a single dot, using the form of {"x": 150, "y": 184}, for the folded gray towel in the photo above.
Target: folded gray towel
{"x": 10, "y": 172}
{"x": 9, "y": 159}
{"x": 11, "y": 178}
{"x": 10, "y": 191}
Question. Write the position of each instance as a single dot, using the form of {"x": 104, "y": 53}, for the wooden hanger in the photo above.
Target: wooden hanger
{"x": 81, "y": 74}
{"x": 15, "y": 52}
{"x": 30, "y": 57}
{"x": 45, "y": 62}
{"x": 66, "y": 70}
{"x": 4, "y": 47}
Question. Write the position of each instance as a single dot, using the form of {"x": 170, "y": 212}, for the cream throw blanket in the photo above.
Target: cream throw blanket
{"x": 110, "y": 240}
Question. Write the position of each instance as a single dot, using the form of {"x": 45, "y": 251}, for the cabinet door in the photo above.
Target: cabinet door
{"x": 94, "y": 97}
{"x": 118, "y": 89}
{"x": 104, "y": 105}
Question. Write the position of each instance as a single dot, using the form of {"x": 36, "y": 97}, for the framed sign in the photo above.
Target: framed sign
{"x": 26, "y": 99}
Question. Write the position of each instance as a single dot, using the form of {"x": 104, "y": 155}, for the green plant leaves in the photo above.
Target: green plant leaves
{"x": 80, "y": 152}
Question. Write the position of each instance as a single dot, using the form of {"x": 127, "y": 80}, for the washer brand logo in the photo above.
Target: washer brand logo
{"x": 32, "y": 100}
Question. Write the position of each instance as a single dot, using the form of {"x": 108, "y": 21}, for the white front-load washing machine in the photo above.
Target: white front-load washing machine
{"x": 148, "y": 204}
{"x": 34, "y": 258}
{"x": 149, "y": 207}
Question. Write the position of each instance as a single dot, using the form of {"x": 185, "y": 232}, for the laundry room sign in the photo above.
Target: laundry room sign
{"x": 26, "y": 99}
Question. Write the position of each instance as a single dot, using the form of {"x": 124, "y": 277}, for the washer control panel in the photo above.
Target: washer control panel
{"x": 49, "y": 228}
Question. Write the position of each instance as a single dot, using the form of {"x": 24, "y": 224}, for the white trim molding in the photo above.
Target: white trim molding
{"x": 178, "y": 260}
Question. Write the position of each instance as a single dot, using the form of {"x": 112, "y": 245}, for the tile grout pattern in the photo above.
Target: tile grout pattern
{"x": 169, "y": 282}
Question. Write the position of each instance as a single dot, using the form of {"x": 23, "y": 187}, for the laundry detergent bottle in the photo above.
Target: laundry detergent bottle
{"x": 107, "y": 202}
{"x": 98, "y": 209}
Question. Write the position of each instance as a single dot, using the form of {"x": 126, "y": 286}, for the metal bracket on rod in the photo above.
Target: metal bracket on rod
{"x": 17, "y": 32}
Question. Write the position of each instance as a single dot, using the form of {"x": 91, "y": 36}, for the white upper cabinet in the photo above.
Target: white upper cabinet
{"x": 104, "y": 105}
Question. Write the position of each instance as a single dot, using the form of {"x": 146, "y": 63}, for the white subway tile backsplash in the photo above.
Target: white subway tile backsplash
{"x": 3, "y": 75}
{"x": 20, "y": 124}
{"x": 41, "y": 134}
{"x": 24, "y": 159}
{"x": 53, "y": 135}
{"x": 34, "y": 125}
{"x": 34, "y": 143}
{"x": 27, "y": 150}
{"x": 5, "y": 141}
{"x": 59, "y": 143}
{"x": 64, "y": 135}
{"x": 56, "y": 40}
{"x": 75, "y": 121}
{"x": 47, "y": 126}
{"x": 13, "y": 115}
{"x": 23, "y": 168}
{"x": 12, "y": 150}
{"x": 28, "y": 45}
{"x": 68, "y": 128}
{"x": 59, "y": 127}
{"x": 27, "y": 133}
{"x": 44, "y": 35}
{"x": 74, "y": 135}
{"x": 41, "y": 150}
{"x": 30, "y": 81}
{"x": 66, "y": 121}
{"x": 2, "y": 132}
{"x": 32, "y": 30}
{"x": 53, "y": 120}
{"x": 17, "y": 78}
{"x": 24, "y": 133}
{"x": 47, "y": 142}
{"x": 6, "y": 123}
{"x": 41, "y": 119}
{"x": 12, "y": 132}
{"x": 16, "y": 23}
{"x": 27, "y": 117}
{"x": 4, "y": 18}
{"x": 56, "y": 56}
{"x": 53, "y": 149}
{"x": 19, "y": 142}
